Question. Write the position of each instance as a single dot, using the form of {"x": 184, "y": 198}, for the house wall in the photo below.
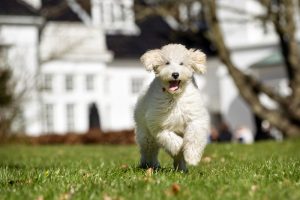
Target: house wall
{"x": 120, "y": 97}
{"x": 112, "y": 94}
{"x": 212, "y": 85}
{"x": 276, "y": 78}
{"x": 23, "y": 59}
{"x": 80, "y": 97}
{"x": 23, "y": 52}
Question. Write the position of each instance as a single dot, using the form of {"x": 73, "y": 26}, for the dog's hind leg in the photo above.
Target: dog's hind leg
{"x": 179, "y": 163}
{"x": 148, "y": 149}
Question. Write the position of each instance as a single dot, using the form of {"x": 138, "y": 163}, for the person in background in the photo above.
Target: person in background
{"x": 225, "y": 134}
{"x": 214, "y": 135}
{"x": 243, "y": 135}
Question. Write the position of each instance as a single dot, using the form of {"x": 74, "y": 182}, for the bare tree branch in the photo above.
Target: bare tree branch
{"x": 247, "y": 89}
{"x": 82, "y": 14}
{"x": 281, "y": 14}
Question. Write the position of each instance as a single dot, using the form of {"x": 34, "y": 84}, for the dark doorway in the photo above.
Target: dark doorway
{"x": 94, "y": 117}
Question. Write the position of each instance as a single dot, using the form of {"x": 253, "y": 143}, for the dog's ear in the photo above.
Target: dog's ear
{"x": 197, "y": 60}
{"x": 152, "y": 59}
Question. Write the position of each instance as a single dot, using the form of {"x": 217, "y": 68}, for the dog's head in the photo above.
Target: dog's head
{"x": 174, "y": 65}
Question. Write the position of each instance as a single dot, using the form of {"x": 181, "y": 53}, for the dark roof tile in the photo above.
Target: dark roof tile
{"x": 59, "y": 10}
{"x": 17, "y": 7}
{"x": 155, "y": 32}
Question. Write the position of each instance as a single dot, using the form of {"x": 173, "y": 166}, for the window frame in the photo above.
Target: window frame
{"x": 90, "y": 82}
{"x": 70, "y": 117}
{"x": 136, "y": 84}
{"x": 69, "y": 82}
{"x": 49, "y": 117}
{"x": 48, "y": 82}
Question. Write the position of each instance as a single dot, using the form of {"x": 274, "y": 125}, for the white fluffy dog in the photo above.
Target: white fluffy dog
{"x": 170, "y": 114}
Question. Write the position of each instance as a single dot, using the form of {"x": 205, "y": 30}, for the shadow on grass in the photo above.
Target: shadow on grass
{"x": 160, "y": 170}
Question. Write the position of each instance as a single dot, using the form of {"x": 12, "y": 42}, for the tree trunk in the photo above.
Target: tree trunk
{"x": 248, "y": 89}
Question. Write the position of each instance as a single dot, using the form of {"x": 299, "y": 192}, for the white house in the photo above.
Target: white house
{"x": 81, "y": 62}
{"x": 79, "y": 73}
{"x": 19, "y": 30}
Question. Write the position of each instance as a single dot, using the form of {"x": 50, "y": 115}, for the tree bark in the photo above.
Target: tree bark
{"x": 281, "y": 14}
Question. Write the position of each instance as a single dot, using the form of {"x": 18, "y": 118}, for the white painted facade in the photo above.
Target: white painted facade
{"x": 23, "y": 58}
{"x": 112, "y": 92}
{"x": 95, "y": 78}
{"x": 67, "y": 85}
{"x": 124, "y": 85}
{"x": 72, "y": 75}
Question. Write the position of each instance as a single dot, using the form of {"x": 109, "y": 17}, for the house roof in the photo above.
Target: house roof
{"x": 274, "y": 59}
{"x": 155, "y": 32}
{"x": 126, "y": 46}
{"x": 17, "y": 8}
{"x": 59, "y": 10}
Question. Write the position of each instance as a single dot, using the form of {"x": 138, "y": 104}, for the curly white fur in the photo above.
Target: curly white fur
{"x": 172, "y": 117}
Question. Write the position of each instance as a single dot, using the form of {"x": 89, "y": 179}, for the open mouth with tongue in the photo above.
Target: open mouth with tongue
{"x": 174, "y": 85}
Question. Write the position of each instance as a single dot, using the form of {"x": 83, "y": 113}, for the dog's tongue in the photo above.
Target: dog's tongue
{"x": 174, "y": 85}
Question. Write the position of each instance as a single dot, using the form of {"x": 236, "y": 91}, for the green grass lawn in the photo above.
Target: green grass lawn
{"x": 267, "y": 170}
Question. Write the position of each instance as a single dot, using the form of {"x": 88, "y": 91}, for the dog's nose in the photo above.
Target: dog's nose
{"x": 175, "y": 75}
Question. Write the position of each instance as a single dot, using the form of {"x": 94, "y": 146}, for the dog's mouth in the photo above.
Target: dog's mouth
{"x": 174, "y": 85}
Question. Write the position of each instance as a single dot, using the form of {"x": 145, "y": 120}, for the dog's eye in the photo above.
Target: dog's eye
{"x": 167, "y": 63}
{"x": 181, "y": 63}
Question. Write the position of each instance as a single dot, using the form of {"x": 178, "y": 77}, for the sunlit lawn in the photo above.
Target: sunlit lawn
{"x": 267, "y": 170}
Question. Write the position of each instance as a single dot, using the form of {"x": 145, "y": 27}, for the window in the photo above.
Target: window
{"x": 70, "y": 117}
{"x": 3, "y": 53}
{"x": 90, "y": 82}
{"x": 136, "y": 85}
{"x": 47, "y": 85}
{"x": 123, "y": 12}
{"x": 112, "y": 14}
{"x": 69, "y": 83}
{"x": 101, "y": 8}
{"x": 48, "y": 116}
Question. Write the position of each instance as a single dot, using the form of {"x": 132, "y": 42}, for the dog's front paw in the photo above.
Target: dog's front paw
{"x": 171, "y": 142}
{"x": 191, "y": 156}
